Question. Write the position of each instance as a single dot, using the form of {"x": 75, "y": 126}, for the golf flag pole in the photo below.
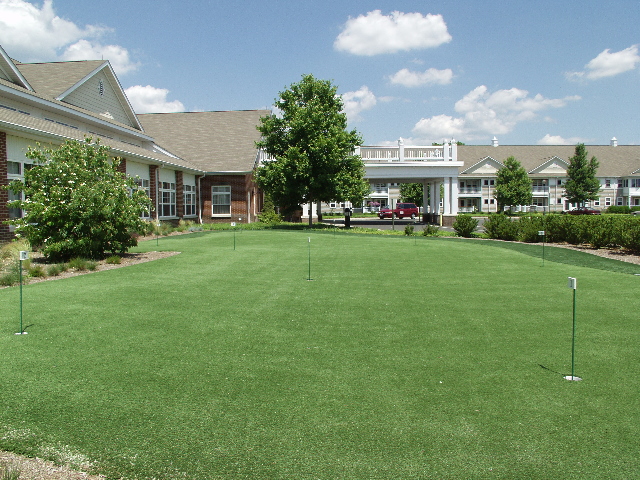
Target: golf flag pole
{"x": 541, "y": 233}
{"x": 23, "y": 256}
{"x": 309, "y": 277}
{"x": 573, "y": 285}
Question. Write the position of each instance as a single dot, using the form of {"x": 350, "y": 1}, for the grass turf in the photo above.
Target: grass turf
{"x": 403, "y": 358}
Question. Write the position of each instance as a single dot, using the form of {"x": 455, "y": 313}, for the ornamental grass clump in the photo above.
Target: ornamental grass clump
{"x": 114, "y": 260}
{"x": 9, "y": 472}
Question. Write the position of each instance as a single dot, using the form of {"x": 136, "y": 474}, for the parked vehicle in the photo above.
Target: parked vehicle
{"x": 402, "y": 210}
{"x": 584, "y": 211}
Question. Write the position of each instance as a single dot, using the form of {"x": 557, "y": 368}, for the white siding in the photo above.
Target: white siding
{"x": 17, "y": 148}
{"x": 167, "y": 175}
{"x": 88, "y": 96}
{"x": 188, "y": 179}
{"x": 138, "y": 170}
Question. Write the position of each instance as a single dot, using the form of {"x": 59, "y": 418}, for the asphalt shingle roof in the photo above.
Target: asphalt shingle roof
{"x": 618, "y": 161}
{"x": 213, "y": 141}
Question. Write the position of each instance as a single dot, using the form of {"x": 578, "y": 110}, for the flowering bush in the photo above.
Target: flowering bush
{"x": 77, "y": 203}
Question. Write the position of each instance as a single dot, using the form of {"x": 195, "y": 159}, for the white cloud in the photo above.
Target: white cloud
{"x": 117, "y": 55}
{"x": 431, "y": 76}
{"x": 608, "y": 64}
{"x": 152, "y": 100}
{"x": 558, "y": 140}
{"x": 374, "y": 33}
{"x": 483, "y": 113}
{"x": 33, "y": 34}
{"x": 356, "y": 102}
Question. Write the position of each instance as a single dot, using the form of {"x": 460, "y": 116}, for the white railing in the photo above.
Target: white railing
{"x": 477, "y": 189}
{"x": 432, "y": 153}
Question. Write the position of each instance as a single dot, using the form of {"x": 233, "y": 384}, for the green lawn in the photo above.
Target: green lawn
{"x": 403, "y": 358}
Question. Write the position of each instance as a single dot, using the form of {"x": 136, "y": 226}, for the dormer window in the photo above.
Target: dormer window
{"x": 101, "y": 88}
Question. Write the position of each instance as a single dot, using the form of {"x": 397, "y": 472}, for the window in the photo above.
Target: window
{"x": 596, "y": 203}
{"x": 143, "y": 184}
{"x": 607, "y": 183}
{"x": 607, "y": 201}
{"x": 15, "y": 171}
{"x": 559, "y": 181}
{"x": 221, "y": 201}
{"x": 189, "y": 200}
{"x": 489, "y": 201}
{"x": 619, "y": 201}
{"x": 635, "y": 182}
{"x": 489, "y": 183}
{"x": 167, "y": 199}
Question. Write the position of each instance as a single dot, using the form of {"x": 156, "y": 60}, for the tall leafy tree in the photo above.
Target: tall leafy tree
{"x": 513, "y": 185}
{"x": 77, "y": 203}
{"x": 312, "y": 151}
{"x": 582, "y": 184}
{"x": 412, "y": 192}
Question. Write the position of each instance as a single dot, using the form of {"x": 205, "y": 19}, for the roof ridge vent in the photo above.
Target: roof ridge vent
{"x": 494, "y": 142}
{"x": 614, "y": 142}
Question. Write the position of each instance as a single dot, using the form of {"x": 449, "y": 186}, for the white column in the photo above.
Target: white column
{"x": 435, "y": 197}
{"x": 446, "y": 201}
{"x": 454, "y": 195}
{"x": 425, "y": 198}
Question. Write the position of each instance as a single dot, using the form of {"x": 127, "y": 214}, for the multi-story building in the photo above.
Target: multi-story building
{"x": 194, "y": 166}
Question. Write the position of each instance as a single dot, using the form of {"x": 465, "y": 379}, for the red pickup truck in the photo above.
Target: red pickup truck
{"x": 402, "y": 210}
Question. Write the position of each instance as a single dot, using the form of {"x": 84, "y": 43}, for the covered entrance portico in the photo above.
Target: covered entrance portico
{"x": 432, "y": 166}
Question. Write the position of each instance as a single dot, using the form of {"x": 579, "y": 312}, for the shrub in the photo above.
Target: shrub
{"x": 114, "y": 260}
{"x": 268, "y": 213}
{"x": 92, "y": 266}
{"x": 500, "y": 226}
{"x": 528, "y": 228}
{"x": 465, "y": 225}
{"x": 619, "y": 209}
{"x": 408, "y": 230}
{"x": 430, "y": 230}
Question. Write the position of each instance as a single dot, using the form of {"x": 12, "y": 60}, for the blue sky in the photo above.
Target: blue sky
{"x": 544, "y": 72}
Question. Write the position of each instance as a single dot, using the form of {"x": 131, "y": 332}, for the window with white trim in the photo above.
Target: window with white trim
{"x": 607, "y": 201}
{"x": 166, "y": 199}
{"x": 144, "y": 185}
{"x": 189, "y": 200}
{"x": 221, "y": 201}
{"x": 619, "y": 201}
{"x": 15, "y": 171}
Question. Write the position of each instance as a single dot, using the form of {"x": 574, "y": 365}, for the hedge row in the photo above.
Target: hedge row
{"x": 595, "y": 230}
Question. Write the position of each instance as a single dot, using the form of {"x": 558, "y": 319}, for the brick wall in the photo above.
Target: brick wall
{"x": 5, "y": 234}
{"x": 179, "y": 194}
{"x": 243, "y": 194}
{"x": 153, "y": 188}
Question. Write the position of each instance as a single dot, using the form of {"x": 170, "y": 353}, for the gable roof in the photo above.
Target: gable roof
{"x": 619, "y": 161}
{"x": 58, "y": 80}
{"x": 9, "y": 71}
{"x": 216, "y": 142}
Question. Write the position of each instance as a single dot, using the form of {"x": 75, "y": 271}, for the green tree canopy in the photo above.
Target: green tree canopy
{"x": 77, "y": 203}
{"x": 513, "y": 186}
{"x": 412, "y": 192}
{"x": 312, "y": 151}
{"x": 582, "y": 184}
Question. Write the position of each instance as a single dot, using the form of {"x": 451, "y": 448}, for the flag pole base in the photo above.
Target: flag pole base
{"x": 21, "y": 333}
{"x": 572, "y": 378}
